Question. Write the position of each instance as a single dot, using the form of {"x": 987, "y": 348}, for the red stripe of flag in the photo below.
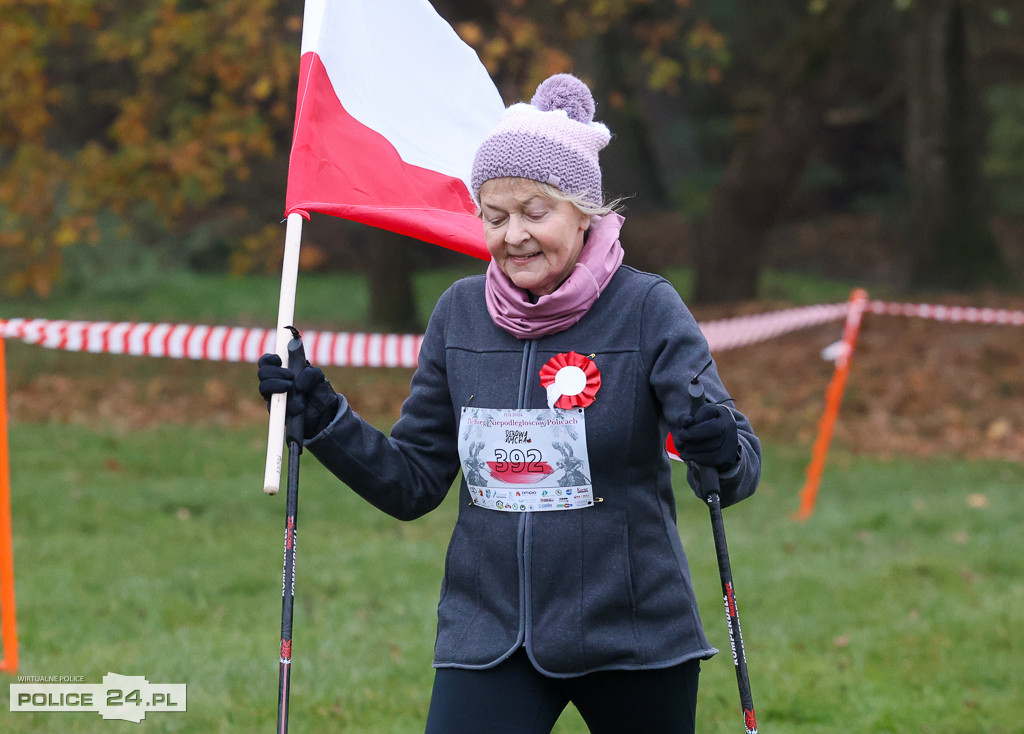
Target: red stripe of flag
{"x": 391, "y": 107}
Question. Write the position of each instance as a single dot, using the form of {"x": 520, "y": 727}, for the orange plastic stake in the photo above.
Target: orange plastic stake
{"x": 833, "y": 398}
{"x": 8, "y": 619}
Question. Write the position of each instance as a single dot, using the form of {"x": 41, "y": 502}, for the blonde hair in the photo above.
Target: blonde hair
{"x": 594, "y": 211}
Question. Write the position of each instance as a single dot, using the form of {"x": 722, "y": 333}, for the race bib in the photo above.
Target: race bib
{"x": 526, "y": 460}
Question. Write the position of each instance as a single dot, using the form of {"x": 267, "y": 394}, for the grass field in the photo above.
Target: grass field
{"x": 896, "y": 608}
{"x": 154, "y": 552}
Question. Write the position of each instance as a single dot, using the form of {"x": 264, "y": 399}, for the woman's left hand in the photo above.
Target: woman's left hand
{"x": 709, "y": 437}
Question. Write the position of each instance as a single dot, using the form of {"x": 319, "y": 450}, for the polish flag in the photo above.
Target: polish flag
{"x": 391, "y": 108}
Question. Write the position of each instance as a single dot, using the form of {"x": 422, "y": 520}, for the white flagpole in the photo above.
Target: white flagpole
{"x": 285, "y": 318}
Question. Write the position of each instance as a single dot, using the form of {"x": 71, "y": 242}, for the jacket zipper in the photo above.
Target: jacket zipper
{"x": 525, "y": 526}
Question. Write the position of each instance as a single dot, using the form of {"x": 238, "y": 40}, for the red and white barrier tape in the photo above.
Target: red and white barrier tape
{"x": 725, "y": 334}
{"x": 951, "y": 314}
{"x": 357, "y": 349}
{"x": 212, "y": 343}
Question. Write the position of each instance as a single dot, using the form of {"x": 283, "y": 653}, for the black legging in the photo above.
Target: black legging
{"x": 513, "y": 698}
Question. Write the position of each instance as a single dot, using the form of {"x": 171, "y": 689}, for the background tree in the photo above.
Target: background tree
{"x": 767, "y": 163}
{"x": 139, "y": 126}
{"x": 948, "y": 233}
{"x": 150, "y": 133}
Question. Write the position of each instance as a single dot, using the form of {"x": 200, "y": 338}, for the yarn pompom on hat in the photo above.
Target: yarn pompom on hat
{"x": 553, "y": 139}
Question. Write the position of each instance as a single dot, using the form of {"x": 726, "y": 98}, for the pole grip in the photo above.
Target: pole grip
{"x": 285, "y": 317}
{"x": 295, "y": 424}
{"x": 696, "y": 391}
{"x": 708, "y": 474}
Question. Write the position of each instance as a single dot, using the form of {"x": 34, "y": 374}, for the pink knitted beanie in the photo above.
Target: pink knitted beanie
{"x": 554, "y": 140}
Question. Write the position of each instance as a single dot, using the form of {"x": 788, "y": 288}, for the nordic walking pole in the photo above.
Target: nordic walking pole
{"x": 285, "y": 316}
{"x": 709, "y": 483}
{"x": 294, "y": 432}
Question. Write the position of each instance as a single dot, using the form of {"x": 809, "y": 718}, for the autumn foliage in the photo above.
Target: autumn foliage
{"x": 117, "y": 113}
{"x": 121, "y": 119}
{"x": 669, "y": 40}
{"x": 164, "y": 125}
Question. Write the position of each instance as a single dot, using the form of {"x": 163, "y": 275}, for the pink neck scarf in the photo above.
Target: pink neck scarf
{"x": 510, "y": 307}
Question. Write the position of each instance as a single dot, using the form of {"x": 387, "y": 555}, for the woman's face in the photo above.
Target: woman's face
{"x": 534, "y": 239}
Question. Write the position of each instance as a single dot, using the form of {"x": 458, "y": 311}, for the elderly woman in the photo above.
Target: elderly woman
{"x": 552, "y": 382}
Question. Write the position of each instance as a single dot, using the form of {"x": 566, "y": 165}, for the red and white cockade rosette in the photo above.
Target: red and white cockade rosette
{"x": 571, "y": 380}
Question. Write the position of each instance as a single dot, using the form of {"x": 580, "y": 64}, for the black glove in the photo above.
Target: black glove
{"x": 309, "y": 392}
{"x": 709, "y": 438}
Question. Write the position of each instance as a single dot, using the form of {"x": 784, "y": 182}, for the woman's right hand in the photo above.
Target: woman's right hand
{"x": 308, "y": 392}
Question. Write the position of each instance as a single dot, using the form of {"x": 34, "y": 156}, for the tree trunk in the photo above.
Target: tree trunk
{"x": 762, "y": 173}
{"x": 392, "y": 298}
{"x": 951, "y": 244}
{"x": 630, "y": 166}
{"x": 746, "y": 204}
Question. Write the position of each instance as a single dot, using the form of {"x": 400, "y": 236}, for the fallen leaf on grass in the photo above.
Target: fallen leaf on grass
{"x": 999, "y": 429}
{"x": 977, "y": 501}
{"x": 968, "y": 575}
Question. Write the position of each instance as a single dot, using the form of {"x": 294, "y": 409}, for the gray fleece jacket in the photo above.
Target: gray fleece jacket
{"x": 603, "y": 587}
